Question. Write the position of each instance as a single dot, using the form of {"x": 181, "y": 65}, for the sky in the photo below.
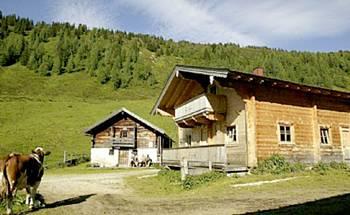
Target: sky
{"x": 313, "y": 25}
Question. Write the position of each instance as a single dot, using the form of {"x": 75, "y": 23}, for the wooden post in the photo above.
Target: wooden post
{"x": 210, "y": 166}
{"x": 64, "y": 157}
{"x": 184, "y": 169}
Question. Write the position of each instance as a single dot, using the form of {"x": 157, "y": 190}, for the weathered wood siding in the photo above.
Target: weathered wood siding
{"x": 268, "y": 117}
{"x": 145, "y": 138}
{"x": 267, "y": 107}
{"x": 334, "y": 120}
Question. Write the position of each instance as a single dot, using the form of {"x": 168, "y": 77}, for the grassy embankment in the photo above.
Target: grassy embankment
{"x": 306, "y": 193}
{"x": 53, "y": 111}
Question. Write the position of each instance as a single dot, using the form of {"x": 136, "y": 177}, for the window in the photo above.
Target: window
{"x": 124, "y": 133}
{"x": 324, "y": 134}
{"x": 285, "y": 133}
{"x": 232, "y": 133}
{"x": 188, "y": 139}
{"x": 113, "y": 131}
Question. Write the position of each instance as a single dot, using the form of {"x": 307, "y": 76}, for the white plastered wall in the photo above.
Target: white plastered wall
{"x": 102, "y": 157}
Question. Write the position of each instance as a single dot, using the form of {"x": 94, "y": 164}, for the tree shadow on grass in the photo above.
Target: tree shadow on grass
{"x": 333, "y": 205}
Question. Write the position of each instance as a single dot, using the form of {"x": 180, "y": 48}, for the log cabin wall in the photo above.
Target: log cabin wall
{"x": 145, "y": 138}
{"x": 268, "y": 108}
{"x": 103, "y": 138}
{"x": 333, "y": 115}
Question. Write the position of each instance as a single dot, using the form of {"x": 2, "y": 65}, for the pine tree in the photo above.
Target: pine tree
{"x": 57, "y": 66}
{"x": 70, "y": 64}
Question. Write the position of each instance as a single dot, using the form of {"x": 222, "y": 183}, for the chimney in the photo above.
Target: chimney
{"x": 258, "y": 71}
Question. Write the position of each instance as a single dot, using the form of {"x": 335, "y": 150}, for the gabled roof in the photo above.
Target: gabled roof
{"x": 190, "y": 74}
{"x": 124, "y": 113}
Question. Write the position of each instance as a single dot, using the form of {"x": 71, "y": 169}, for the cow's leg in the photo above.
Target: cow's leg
{"x": 28, "y": 195}
{"x": 11, "y": 193}
{"x": 32, "y": 195}
{"x": 9, "y": 205}
{"x": 9, "y": 202}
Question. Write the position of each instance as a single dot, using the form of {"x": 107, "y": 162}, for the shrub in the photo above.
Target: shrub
{"x": 321, "y": 168}
{"x": 339, "y": 165}
{"x": 193, "y": 181}
{"x": 276, "y": 164}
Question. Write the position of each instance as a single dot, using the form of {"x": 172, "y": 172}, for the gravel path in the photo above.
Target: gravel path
{"x": 85, "y": 193}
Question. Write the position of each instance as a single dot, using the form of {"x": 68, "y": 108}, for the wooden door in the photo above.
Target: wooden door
{"x": 123, "y": 157}
{"x": 345, "y": 138}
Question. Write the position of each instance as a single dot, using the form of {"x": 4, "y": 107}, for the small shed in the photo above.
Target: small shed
{"x": 122, "y": 135}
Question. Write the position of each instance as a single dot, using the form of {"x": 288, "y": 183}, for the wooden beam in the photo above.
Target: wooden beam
{"x": 189, "y": 85}
{"x": 169, "y": 93}
{"x": 201, "y": 120}
{"x": 174, "y": 96}
{"x": 215, "y": 117}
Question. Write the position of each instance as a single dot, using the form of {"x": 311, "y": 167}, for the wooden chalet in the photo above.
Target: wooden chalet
{"x": 231, "y": 120}
{"x": 122, "y": 135}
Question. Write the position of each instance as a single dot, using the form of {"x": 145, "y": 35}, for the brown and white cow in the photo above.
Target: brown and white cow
{"x": 23, "y": 172}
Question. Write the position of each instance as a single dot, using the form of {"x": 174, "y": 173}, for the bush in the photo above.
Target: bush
{"x": 323, "y": 168}
{"x": 276, "y": 164}
{"x": 193, "y": 181}
{"x": 339, "y": 166}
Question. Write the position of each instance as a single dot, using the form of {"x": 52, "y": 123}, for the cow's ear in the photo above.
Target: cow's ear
{"x": 33, "y": 151}
{"x": 47, "y": 153}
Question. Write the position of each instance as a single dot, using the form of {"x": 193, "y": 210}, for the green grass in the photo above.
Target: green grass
{"x": 53, "y": 112}
{"x": 161, "y": 186}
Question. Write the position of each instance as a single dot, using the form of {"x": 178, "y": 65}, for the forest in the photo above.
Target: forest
{"x": 125, "y": 59}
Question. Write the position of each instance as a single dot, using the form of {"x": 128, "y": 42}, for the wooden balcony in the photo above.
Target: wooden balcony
{"x": 123, "y": 142}
{"x": 201, "y": 110}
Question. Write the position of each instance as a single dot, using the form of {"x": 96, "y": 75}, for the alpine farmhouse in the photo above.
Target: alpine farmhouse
{"x": 231, "y": 120}
{"x": 122, "y": 135}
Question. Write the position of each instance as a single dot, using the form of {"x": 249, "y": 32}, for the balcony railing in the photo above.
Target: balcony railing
{"x": 124, "y": 142}
{"x": 201, "y": 104}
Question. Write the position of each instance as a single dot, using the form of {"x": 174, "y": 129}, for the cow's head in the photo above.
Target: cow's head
{"x": 41, "y": 153}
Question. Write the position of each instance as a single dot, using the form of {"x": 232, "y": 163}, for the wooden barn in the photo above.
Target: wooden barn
{"x": 231, "y": 120}
{"x": 121, "y": 136}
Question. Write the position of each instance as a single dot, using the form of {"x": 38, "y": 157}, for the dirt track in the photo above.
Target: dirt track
{"x": 107, "y": 194}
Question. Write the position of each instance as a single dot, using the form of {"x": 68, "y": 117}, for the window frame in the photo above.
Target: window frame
{"x": 122, "y": 132}
{"x": 189, "y": 139}
{"x": 328, "y": 135}
{"x": 232, "y": 138}
{"x": 285, "y": 134}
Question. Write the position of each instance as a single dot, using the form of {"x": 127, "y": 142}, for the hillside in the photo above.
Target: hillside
{"x": 56, "y": 79}
{"x": 127, "y": 60}
{"x": 53, "y": 112}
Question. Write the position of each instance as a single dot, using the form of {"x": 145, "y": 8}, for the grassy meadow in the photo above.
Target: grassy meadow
{"x": 54, "y": 111}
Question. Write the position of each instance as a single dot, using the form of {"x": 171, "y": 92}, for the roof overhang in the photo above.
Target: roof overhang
{"x": 185, "y": 82}
{"x": 123, "y": 112}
